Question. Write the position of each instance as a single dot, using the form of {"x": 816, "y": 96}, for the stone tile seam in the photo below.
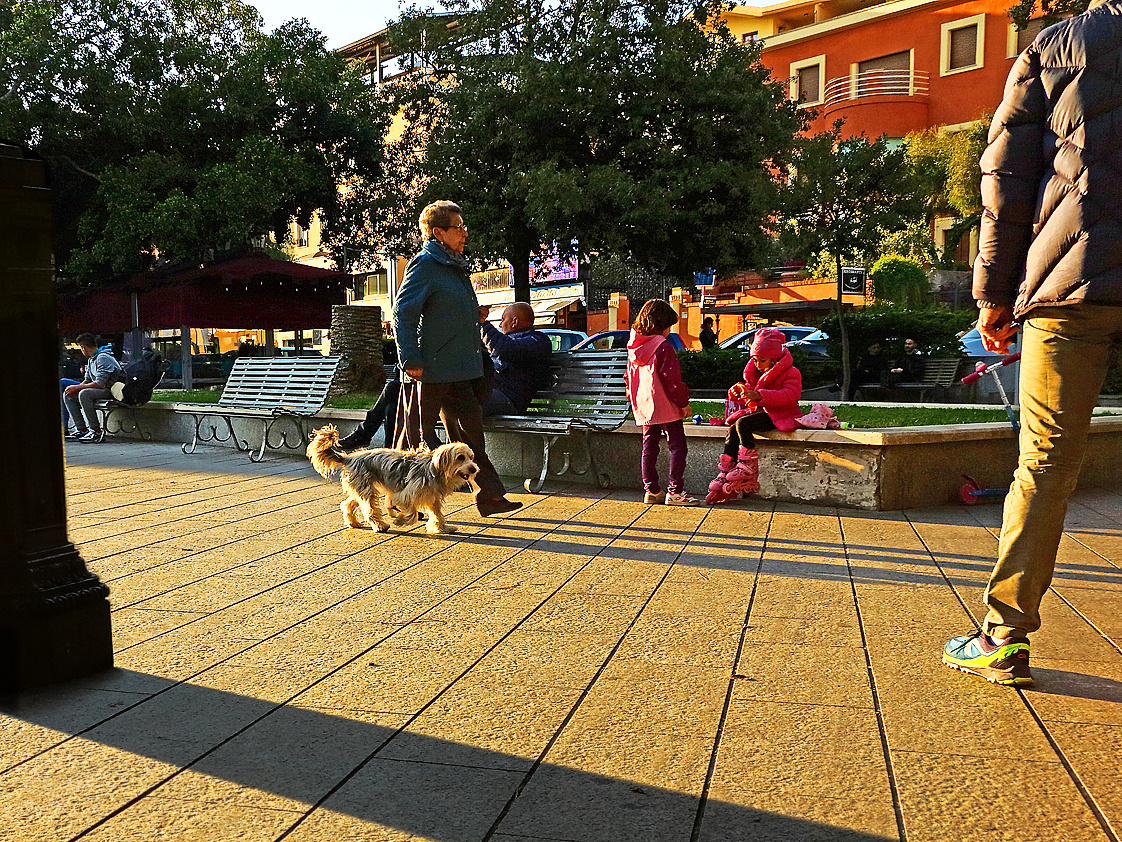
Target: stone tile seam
{"x": 108, "y": 511}
{"x": 230, "y": 659}
{"x": 494, "y": 829}
{"x": 1076, "y": 780}
{"x": 373, "y": 755}
{"x": 137, "y": 799}
{"x": 703, "y": 798}
{"x": 882, "y": 728}
{"x": 202, "y": 488}
{"x": 134, "y": 548}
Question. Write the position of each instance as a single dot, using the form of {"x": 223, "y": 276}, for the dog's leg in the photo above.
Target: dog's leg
{"x": 437, "y": 524}
{"x": 348, "y": 507}
{"x": 372, "y": 509}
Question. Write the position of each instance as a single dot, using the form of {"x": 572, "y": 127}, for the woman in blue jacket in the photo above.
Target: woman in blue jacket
{"x": 436, "y": 326}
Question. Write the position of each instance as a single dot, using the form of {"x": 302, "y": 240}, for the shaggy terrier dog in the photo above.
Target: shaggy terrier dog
{"x": 407, "y": 480}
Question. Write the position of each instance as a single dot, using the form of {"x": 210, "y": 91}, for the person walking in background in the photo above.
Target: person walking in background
{"x": 659, "y": 399}
{"x": 708, "y": 335}
{"x": 78, "y": 398}
{"x": 1050, "y": 254}
{"x": 768, "y": 399}
{"x": 436, "y": 324}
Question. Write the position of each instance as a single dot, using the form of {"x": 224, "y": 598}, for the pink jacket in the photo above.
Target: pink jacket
{"x": 780, "y": 388}
{"x": 654, "y": 380}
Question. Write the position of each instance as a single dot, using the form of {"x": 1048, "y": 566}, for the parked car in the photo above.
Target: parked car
{"x": 796, "y": 335}
{"x": 813, "y": 343}
{"x": 612, "y": 339}
{"x": 743, "y": 340}
{"x": 563, "y": 340}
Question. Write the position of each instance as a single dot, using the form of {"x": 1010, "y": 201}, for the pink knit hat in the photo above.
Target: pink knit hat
{"x": 768, "y": 343}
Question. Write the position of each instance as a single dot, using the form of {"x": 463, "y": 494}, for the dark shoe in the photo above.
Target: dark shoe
{"x": 75, "y": 435}
{"x": 90, "y": 437}
{"x": 354, "y": 441}
{"x": 1004, "y": 661}
{"x": 497, "y": 506}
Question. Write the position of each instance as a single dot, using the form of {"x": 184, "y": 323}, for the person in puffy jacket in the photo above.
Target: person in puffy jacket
{"x": 1050, "y": 255}
{"x": 768, "y": 399}
{"x": 659, "y": 399}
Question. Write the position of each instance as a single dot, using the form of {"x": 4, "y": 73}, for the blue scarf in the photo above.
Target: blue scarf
{"x": 445, "y": 255}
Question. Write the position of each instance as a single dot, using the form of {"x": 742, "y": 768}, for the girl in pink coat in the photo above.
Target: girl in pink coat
{"x": 768, "y": 399}
{"x": 659, "y": 399}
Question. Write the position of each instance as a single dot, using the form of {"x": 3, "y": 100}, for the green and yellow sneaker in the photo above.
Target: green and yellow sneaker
{"x": 1004, "y": 661}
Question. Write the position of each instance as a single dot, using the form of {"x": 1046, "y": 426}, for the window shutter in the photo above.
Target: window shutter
{"x": 885, "y": 75}
{"x": 964, "y": 48}
{"x": 809, "y": 87}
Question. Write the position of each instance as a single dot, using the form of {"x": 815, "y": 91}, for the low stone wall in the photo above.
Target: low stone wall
{"x": 877, "y": 470}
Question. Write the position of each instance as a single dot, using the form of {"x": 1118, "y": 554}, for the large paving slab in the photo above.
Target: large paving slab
{"x": 587, "y": 668}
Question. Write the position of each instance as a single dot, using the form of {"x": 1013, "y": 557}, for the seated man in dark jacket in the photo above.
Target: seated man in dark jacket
{"x": 521, "y": 355}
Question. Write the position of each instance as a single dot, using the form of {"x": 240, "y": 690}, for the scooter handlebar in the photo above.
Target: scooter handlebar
{"x": 975, "y": 375}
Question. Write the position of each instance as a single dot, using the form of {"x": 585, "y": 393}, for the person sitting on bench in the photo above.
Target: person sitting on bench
{"x": 78, "y": 398}
{"x": 521, "y": 356}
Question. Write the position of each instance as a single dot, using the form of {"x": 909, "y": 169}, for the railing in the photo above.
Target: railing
{"x": 875, "y": 83}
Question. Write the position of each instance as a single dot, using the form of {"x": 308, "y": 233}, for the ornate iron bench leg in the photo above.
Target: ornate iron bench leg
{"x": 547, "y": 445}
{"x": 260, "y": 454}
{"x": 200, "y": 436}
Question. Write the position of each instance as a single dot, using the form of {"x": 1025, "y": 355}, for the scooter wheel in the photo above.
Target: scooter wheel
{"x": 969, "y": 494}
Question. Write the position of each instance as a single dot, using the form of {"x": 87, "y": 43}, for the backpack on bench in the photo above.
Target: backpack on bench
{"x": 140, "y": 378}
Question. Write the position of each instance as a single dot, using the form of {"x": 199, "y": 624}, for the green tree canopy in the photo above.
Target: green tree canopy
{"x": 175, "y": 126}
{"x": 612, "y": 127}
{"x": 843, "y": 196}
{"x": 900, "y": 281}
{"x": 949, "y": 181}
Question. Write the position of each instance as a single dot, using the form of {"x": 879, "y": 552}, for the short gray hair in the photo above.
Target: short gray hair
{"x": 437, "y": 215}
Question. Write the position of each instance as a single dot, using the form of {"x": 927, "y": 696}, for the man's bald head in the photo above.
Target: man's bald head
{"x": 517, "y": 316}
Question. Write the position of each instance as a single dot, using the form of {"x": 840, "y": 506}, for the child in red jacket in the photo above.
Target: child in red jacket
{"x": 659, "y": 399}
{"x": 768, "y": 399}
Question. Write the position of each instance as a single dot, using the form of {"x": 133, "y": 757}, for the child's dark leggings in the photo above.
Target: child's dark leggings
{"x": 740, "y": 433}
{"x": 676, "y": 437}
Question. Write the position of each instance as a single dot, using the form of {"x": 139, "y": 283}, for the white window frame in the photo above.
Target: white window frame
{"x": 945, "y": 31}
{"x": 796, "y": 66}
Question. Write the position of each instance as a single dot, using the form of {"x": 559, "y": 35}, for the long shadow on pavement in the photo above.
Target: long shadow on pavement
{"x": 366, "y": 771}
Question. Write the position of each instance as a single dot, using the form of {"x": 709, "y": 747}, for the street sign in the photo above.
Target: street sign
{"x": 853, "y": 280}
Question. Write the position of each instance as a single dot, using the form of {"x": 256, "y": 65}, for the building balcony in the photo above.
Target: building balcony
{"x": 892, "y": 102}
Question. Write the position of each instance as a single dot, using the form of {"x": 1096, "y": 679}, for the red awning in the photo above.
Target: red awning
{"x": 253, "y": 291}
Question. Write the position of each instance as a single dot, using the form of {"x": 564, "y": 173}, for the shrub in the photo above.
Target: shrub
{"x": 713, "y": 369}
{"x": 935, "y": 330}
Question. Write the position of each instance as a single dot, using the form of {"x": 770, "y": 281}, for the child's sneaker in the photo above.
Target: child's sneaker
{"x": 681, "y": 498}
{"x": 654, "y": 498}
{"x": 1004, "y": 661}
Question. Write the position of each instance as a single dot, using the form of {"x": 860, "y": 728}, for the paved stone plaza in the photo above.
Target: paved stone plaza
{"x": 588, "y": 668}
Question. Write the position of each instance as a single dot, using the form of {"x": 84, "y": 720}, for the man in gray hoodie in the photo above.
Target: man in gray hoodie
{"x": 1050, "y": 255}
{"x": 78, "y": 399}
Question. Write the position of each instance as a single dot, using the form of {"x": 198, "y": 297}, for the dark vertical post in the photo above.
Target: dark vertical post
{"x": 54, "y": 613}
{"x": 185, "y": 350}
{"x": 270, "y": 342}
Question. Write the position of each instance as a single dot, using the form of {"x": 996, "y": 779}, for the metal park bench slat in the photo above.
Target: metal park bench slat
{"x": 269, "y": 388}
{"x": 587, "y": 394}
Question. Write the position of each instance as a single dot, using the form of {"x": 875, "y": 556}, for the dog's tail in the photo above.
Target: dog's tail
{"x": 324, "y": 451}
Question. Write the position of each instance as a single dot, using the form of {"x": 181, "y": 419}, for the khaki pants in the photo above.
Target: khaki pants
{"x": 1064, "y": 354}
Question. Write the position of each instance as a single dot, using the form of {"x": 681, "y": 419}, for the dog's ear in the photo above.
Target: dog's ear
{"x": 443, "y": 459}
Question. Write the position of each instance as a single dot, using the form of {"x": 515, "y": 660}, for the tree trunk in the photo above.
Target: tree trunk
{"x": 520, "y": 265}
{"x": 843, "y": 337}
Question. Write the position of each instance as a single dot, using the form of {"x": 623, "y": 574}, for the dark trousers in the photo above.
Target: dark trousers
{"x": 676, "y": 437}
{"x": 383, "y": 412}
{"x": 459, "y": 406}
{"x": 740, "y": 432}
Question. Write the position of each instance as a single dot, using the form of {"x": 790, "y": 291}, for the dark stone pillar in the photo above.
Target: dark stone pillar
{"x": 54, "y": 613}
